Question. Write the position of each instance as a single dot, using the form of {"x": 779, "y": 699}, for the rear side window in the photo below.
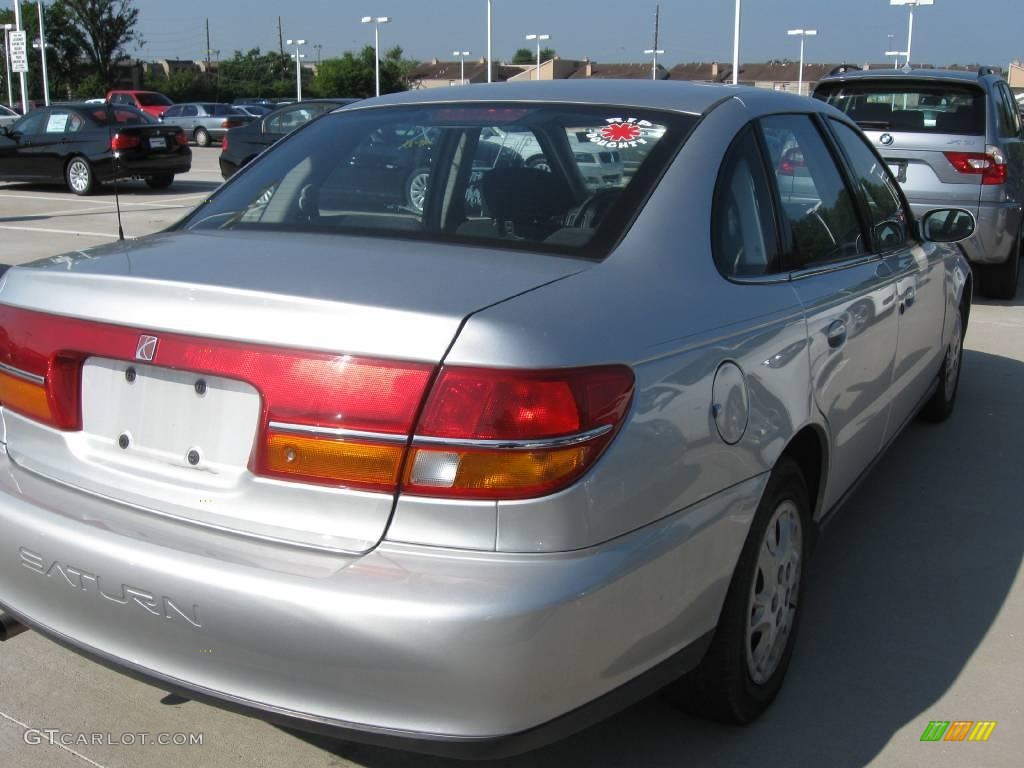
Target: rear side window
{"x": 910, "y": 107}
{"x": 743, "y": 232}
{"x": 493, "y": 173}
{"x": 815, "y": 199}
{"x": 1009, "y": 116}
{"x": 888, "y": 217}
{"x": 153, "y": 100}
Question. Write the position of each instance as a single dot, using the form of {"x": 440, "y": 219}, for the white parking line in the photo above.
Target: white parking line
{"x": 27, "y": 727}
{"x": 60, "y": 231}
{"x": 94, "y": 201}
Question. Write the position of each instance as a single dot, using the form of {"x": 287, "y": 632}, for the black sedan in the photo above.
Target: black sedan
{"x": 243, "y": 144}
{"x": 84, "y": 145}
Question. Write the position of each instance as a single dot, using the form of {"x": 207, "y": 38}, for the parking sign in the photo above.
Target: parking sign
{"x": 19, "y": 51}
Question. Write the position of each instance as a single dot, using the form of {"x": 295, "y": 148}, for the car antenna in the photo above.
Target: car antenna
{"x": 117, "y": 196}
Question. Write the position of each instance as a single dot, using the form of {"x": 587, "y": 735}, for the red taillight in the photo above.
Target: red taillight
{"x": 123, "y": 141}
{"x": 349, "y": 421}
{"x": 231, "y": 122}
{"x": 507, "y": 434}
{"x": 990, "y": 165}
{"x": 224, "y": 143}
{"x": 181, "y": 139}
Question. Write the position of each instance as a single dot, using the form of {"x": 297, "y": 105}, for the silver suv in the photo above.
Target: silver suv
{"x": 950, "y": 138}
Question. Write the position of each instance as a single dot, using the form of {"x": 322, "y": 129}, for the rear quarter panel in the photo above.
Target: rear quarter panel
{"x": 659, "y": 304}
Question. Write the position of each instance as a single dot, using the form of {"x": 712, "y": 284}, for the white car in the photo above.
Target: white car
{"x": 601, "y": 167}
{"x": 8, "y": 116}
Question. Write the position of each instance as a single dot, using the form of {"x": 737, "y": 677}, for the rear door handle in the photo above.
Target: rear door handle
{"x": 836, "y": 334}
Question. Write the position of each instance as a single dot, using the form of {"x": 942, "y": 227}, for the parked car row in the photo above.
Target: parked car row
{"x": 464, "y": 465}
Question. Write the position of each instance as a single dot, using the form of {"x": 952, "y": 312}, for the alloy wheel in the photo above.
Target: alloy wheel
{"x": 418, "y": 190}
{"x": 78, "y": 176}
{"x": 774, "y": 592}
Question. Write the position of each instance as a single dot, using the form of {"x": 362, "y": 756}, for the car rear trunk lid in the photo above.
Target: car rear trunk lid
{"x": 146, "y": 412}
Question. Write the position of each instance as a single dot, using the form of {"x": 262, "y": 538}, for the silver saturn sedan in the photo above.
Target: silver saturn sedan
{"x": 466, "y": 476}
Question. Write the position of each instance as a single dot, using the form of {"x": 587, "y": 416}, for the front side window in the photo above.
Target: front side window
{"x": 172, "y": 112}
{"x": 889, "y": 220}
{"x": 34, "y": 122}
{"x": 743, "y": 233}
{"x": 815, "y": 200}
{"x": 507, "y": 174}
{"x": 189, "y": 111}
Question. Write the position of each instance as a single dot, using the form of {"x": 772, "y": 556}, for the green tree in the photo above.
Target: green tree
{"x": 527, "y": 56}
{"x": 62, "y": 53}
{"x": 104, "y": 29}
{"x": 352, "y": 75}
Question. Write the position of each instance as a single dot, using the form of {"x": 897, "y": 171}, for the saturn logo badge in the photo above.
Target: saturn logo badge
{"x": 146, "y": 350}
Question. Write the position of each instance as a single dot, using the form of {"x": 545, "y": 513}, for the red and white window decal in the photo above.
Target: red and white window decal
{"x": 620, "y": 133}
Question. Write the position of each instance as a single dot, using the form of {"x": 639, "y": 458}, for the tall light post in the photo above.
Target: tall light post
{"x": 7, "y": 56}
{"x": 23, "y": 81}
{"x": 736, "y": 46}
{"x": 298, "y": 66}
{"x": 42, "y": 51}
{"x": 890, "y": 45}
{"x": 654, "y": 52}
{"x": 490, "y": 36}
{"x": 803, "y": 34}
{"x": 462, "y": 65}
{"x": 376, "y": 21}
{"x": 911, "y": 4}
{"x": 539, "y": 39}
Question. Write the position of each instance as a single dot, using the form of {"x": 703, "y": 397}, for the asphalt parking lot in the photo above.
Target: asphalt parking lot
{"x": 915, "y": 610}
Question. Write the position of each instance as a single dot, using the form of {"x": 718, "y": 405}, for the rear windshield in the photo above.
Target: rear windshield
{"x": 565, "y": 179}
{"x": 153, "y": 100}
{"x": 913, "y": 107}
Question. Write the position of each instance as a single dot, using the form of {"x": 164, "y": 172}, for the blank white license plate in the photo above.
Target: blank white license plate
{"x": 162, "y": 414}
{"x": 158, "y": 142}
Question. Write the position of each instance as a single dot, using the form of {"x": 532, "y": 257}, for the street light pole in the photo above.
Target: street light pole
{"x": 376, "y": 21}
{"x": 42, "y": 51}
{"x": 539, "y": 39}
{"x": 7, "y": 56}
{"x": 490, "y": 34}
{"x": 736, "y": 46}
{"x": 21, "y": 75}
{"x": 803, "y": 34}
{"x": 298, "y": 66}
{"x": 655, "y": 52}
{"x": 462, "y": 65}
{"x": 911, "y": 4}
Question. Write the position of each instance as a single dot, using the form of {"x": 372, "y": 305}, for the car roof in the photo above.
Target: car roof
{"x": 944, "y": 75}
{"x": 695, "y": 99}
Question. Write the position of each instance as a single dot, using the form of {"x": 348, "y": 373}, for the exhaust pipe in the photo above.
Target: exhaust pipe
{"x": 10, "y": 627}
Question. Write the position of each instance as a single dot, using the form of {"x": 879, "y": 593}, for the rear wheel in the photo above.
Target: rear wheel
{"x": 743, "y": 669}
{"x": 999, "y": 281}
{"x": 202, "y": 137}
{"x": 162, "y": 181}
{"x": 940, "y": 406}
{"x": 79, "y": 176}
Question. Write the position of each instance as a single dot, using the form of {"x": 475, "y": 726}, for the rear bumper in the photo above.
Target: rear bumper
{"x": 999, "y": 225}
{"x": 440, "y": 651}
{"x": 150, "y": 166}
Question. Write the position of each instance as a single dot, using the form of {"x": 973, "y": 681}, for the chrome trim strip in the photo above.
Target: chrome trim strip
{"x": 336, "y": 432}
{"x": 522, "y": 445}
{"x": 25, "y": 375}
{"x": 834, "y": 266}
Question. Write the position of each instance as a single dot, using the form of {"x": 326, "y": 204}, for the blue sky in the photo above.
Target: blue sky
{"x": 951, "y": 31}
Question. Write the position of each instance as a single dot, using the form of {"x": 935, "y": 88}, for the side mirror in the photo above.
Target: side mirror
{"x": 947, "y": 225}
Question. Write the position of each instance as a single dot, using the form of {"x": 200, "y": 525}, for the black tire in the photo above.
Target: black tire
{"x": 940, "y": 405}
{"x": 79, "y": 176}
{"x": 202, "y": 137}
{"x": 999, "y": 281}
{"x": 163, "y": 181}
{"x": 722, "y": 687}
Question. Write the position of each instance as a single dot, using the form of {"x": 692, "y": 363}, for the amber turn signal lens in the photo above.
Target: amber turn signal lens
{"x": 24, "y": 397}
{"x": 506, "y": 474}
{"x": 343, "y": 463}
